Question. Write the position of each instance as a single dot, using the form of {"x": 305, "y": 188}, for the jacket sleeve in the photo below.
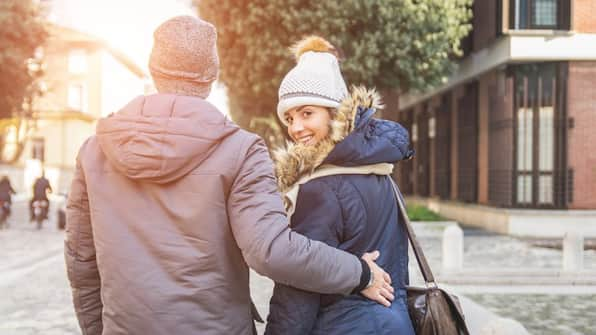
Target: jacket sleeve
{"x": 318, "y": 216}
{"x": 397, "y": 135}
{"x": 79, "y": 253}
{"x": 269, "y": 246}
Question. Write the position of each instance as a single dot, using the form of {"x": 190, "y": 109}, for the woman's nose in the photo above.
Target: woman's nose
{"x": 296, "y": 127}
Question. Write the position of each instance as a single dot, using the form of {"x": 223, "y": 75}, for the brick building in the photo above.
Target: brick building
{"x": 508, "y": 142}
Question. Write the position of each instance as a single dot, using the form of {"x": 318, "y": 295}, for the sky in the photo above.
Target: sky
{"x": 126, "y": 25}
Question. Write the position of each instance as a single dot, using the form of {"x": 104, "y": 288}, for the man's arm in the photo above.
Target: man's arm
{"x": 79, "y": 253}
{"x": 269, "y": 246}
{"x": 318, "y": 216}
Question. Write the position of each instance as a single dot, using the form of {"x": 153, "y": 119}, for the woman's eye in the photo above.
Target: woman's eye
{"x": 289, "y": 120}
{"x": 307, "y": 113}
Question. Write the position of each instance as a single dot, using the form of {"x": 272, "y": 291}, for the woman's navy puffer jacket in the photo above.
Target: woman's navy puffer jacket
{"x": 358, "y": 214}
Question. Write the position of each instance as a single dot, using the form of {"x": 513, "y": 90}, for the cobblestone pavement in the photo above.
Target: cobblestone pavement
{"x": 545, "y": 314}
{"x": 261, "y": 289}
{"x": 541, "y": 314}
{"x": 36, "y": 298}
{"x": 33, "y": 285}
{"x": 35, "y": 293}
{"x": 487, "y": 250}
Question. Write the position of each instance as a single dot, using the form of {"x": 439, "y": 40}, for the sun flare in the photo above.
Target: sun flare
{"x": 126, "y": 25}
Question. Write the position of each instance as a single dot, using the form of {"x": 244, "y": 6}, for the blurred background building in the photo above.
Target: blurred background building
{"x": 84, "y": 79}
{"x": 94, "y": 62}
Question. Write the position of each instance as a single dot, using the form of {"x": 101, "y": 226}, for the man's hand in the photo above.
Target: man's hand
{"x": 380, "y": 289}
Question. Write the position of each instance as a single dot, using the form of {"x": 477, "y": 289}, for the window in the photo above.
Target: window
{"x": 544, "y": 13}
{"x": 431, "y": 127}
{"x": 546, "y": 141}
{"x": 77, "y": 97}
{"x": 540, "y": 14}
{"x": 38, "y": 148}
{"x": 77, "y": 61}
{"x": 535, "y": 102}
{"x": 524, "y": 153}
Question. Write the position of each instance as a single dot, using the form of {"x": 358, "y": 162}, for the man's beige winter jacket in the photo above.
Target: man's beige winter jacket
{"x": 170, "y": 204}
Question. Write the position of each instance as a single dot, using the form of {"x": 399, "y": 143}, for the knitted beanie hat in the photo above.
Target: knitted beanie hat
{"x": 184, "y": 56}
{"x": 315, "y": 80}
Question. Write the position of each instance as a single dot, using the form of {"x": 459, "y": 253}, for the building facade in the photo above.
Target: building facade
{"x": 84, "y": 79}
{"x": 512, "y": 131}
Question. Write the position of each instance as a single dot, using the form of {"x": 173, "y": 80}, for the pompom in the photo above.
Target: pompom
{"x": 313, "y": 43}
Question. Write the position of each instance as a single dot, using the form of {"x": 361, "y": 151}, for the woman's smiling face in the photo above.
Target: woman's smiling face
{"x": 308, "y": 124}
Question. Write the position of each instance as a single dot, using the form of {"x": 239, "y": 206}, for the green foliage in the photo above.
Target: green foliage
{"x": 421, "y": 213}
{"x": 21, "y": 32}
{"x": 388, "y": 44}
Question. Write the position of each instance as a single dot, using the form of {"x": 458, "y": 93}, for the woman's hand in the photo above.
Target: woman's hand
{"x": 380, "y": 289}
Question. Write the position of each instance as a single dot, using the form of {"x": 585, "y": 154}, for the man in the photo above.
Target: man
{"x": 41, "y": 187}
{"x": 171, "y": 203}
{"x": 6, "y": 192}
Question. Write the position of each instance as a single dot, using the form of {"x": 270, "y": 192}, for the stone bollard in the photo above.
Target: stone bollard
{"x": 453, "y": 248}
{"x": 573, "y": 252}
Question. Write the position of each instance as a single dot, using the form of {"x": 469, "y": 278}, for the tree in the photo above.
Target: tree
{"x": 397, "y": 45}
{"x": 21, "y": 32}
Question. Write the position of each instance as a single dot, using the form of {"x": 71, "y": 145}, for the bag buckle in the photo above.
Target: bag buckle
{"x": 431, "y": 284}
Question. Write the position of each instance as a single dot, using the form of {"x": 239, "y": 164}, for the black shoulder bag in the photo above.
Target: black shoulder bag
{"x": 432, "y": 310}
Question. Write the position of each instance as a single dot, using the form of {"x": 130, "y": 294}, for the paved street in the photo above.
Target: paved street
{"x": 33, "y": 285}
{"x": 36, "y": 296}
{"x": 543, "y": 310}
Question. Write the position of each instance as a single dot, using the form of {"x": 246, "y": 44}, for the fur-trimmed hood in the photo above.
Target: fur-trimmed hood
{"x": 355, "y": 139}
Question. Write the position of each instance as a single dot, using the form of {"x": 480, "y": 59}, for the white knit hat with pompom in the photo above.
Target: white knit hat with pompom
{"x": 315, "y": 80}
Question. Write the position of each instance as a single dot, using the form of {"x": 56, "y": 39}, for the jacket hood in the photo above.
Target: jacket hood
{"x": 355, "y": 139}
{"x": 162, "y": 137}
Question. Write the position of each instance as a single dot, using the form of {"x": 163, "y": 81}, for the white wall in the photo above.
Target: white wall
{"x": 118, "y": 85}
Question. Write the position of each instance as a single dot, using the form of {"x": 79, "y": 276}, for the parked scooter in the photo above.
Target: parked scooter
{"x": 40, "y": 212}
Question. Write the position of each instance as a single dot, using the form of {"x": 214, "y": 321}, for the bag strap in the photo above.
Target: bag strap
{"x": 422, "y": 263}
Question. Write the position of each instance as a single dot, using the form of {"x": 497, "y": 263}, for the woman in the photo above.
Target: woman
{"x": 337, "y": 187}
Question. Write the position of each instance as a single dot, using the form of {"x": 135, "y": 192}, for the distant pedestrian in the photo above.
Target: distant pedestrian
{"x": 170, "y": 204}
{"x": 6, "y": 192}
{"x": 336, "y": 178}
{"x": 41, "y": 188}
